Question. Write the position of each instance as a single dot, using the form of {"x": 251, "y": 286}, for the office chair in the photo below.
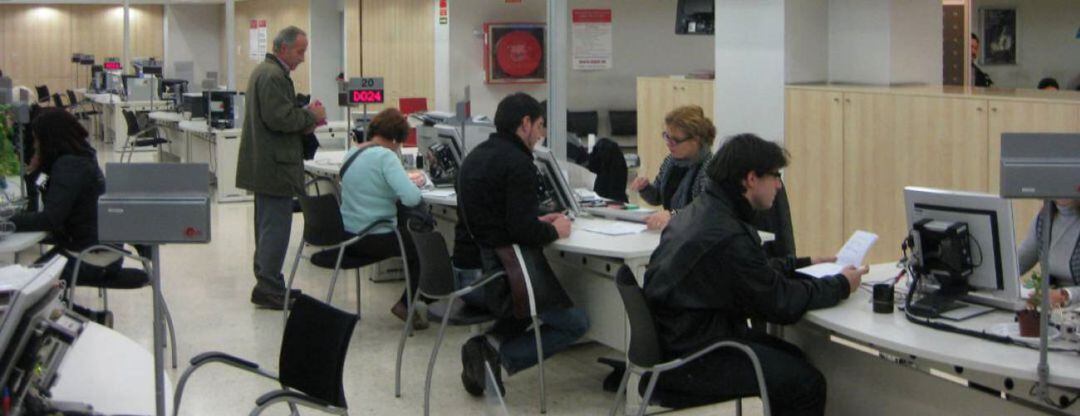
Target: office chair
{"x": 311, "y": 361}
{"x": 521, "y": 265}
{"x": 437, "y": 284}
{"x": 134, "y": 141}
{"x": 58, "y": 101}
{"x": 77, "y": 106}
{"x": 324, "y": 229}
{"x": 42, "y": 94}
{"x": 102, "y": 255}
{"x": 644, "y": 353}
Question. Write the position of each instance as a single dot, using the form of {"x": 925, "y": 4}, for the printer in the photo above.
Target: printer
{"x": 155, "y": 203}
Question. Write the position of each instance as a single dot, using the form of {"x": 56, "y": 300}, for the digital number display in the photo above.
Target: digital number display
{"x": 366, "y": 96}
{"x": 112, "y": 65}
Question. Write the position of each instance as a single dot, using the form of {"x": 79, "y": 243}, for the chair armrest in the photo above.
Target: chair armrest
{"x": 294, "y": 397}
{"x": 200, "y": 360}
{"x": 363, "y": 233}
{"x": 678, "y": 362}
{"x": 218, "y": 356}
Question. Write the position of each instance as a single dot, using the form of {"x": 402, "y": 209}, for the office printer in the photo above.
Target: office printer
{"x": 155, "y": 203}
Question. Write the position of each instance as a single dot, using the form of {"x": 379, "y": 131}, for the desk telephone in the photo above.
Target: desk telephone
{"x": 442, "y": 167}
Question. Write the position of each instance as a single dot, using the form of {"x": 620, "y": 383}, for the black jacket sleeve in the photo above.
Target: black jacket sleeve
{"x": 768, "y": 293}
{"x": 69, "y": 178}
{"x": 522, "y": 223}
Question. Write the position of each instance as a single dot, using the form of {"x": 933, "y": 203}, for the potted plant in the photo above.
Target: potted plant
{"x": 9, "y": 159}
{"x": 1028, "y": 318}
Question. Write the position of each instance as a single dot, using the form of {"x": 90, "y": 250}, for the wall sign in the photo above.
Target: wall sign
{"x": 591, "y": 39}
{"x": 365, "y": 91}
{"x": 514, "y": 53}
{"x": 257, "y": 39}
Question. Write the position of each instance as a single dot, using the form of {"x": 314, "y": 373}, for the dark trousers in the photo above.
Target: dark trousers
{"x": 795, "y": 386}
{"x": 380, "y": 247}
{"x": 273, "y": 225}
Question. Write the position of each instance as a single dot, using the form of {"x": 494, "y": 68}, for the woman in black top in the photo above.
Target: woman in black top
{"x": 70, "y": 180}
{"x": 689, "y": 137}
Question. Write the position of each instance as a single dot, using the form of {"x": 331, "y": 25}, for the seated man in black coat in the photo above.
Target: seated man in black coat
{"x": 710, "y": 274}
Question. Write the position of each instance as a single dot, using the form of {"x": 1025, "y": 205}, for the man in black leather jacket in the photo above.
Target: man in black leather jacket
{"x": 709, "y": 275}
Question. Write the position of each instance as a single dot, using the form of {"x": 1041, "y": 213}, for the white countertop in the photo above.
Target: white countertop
{"x": 17, "y": 242}
{"x": 171, "y": 116}
{"x": 855, "y": 319}
{"x": 200, "y": 126}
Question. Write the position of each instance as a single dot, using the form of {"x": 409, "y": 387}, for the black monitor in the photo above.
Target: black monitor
{"x": 152, "y": 70}
{"x": 623, "y": 123}
{"x": 195, "y": 103}
{"x": 694, "y": 17}
{"x": 554, "y": 192}
{"x": 582, "y": 123}
{"x": 220, "y": 109}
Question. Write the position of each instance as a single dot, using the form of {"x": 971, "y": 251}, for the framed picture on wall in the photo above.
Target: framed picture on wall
{"x": 514, "y": 53}
{"x": 998, "y": 36}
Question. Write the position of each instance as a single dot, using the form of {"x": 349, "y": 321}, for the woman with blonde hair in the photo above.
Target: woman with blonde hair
{"x": 689, "y": 136}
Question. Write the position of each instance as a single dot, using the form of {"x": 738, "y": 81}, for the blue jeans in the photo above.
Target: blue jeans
{"x": 518, "y": 343}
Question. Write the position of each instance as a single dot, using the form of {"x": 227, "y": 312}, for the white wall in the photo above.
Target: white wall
{"x": 806, "y": 39}
{"x": 858, "y": 41}
{"x": 643, "y": 44}
{"x": 750, "y": 68}
{"x": 194, "y": 34}
{"x": 325, "y": 53}
{"x": 916, "y": 42}
{"x": 1046, "y": 42}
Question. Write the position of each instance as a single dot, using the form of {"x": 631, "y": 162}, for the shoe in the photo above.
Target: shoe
{"x": 270, "y": 300}
{"x": 474, "y": 354}
{"x": 399, "y": 310}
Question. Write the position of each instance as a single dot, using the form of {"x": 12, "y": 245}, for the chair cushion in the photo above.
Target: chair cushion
{"x": 327, "y": 258}
{"x": 126, "y": 278}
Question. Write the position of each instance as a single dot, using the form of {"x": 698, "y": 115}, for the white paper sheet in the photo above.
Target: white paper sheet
{"x": 851, "y": 254}
{"x": 616, "y": 228}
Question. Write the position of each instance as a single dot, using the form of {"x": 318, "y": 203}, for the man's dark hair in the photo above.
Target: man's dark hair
{"x": 513, "y": 108}
{"x": 974, "y": 36}
{"x": 742, "y": 154}
{"x": 1048, "y": 82}
{"x": 59, "y": 133}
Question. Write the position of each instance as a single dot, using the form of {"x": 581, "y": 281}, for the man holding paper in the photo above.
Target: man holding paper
{"x": 709, "y": 275}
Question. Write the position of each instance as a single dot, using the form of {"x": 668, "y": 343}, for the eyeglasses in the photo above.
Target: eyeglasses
{"x": 675, "y": 140}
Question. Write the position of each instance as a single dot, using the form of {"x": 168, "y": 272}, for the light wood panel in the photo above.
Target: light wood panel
{"x": 655, "y": 98}
{"x": 893, "y": 141}
{"x": 1020, "y": 117}
{"x": 37, "y": 41}
{"x": 814, "y": 180}
{"x": 278, "y": 14}
{"x": 398, "y": 45}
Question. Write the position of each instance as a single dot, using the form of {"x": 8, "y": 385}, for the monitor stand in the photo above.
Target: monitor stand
{"x": 932, "y": 305}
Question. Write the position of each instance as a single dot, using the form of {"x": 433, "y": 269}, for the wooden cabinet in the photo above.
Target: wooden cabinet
{"x": 655, "y": 98}
{"x": 853, "y": 150}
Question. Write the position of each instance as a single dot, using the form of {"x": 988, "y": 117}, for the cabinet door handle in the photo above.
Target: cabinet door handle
{"x": 979, "y": 109}
{"x": 836, "y": 100}
{"x": 994, "y": 109}
{"x": 847, "y": 100}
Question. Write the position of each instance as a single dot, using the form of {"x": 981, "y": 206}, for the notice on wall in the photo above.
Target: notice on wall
{"x": 257, "y": 40}
{"x": 444, "y": 13}
{"x": 591, "y": 39}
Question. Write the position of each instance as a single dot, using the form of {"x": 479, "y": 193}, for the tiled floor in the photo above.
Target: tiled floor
{"x": 207, "y": 287}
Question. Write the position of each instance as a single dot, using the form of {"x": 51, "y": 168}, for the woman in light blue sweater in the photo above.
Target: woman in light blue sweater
{"x": 371, "y": 187}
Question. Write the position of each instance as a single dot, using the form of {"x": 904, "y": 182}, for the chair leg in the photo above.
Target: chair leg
{"x": 619, "y": 393}
{"x": 292, "y": 274}
{"x": 172, "y": 329}
{"x": 648, "y": 394}
{"x": 401, "y": 348}
{"x": 738, "y": 407}
{"x": 333, "y": 278}
{"x": 540, "y": 363}
{"x": 358, "y": 281}
{"x": 431, "y": 362}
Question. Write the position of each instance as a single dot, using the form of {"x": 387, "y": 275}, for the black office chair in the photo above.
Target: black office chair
{"x": 645, "y": 354}
{"x": 43, "y": 95}
{"x": 124, "y": 279}
{"x": 437, "y": 284}
{"x": 137, "y": 137}
{"x": 58, "y": 102}
{"x": 324, "y": 229}
{"x": 77, "y": 107}
{"x": 311, "y": 361}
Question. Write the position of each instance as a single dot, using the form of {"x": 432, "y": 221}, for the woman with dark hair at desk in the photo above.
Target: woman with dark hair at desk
{"x": 689, "y": 137}
{"x": 70, "y": 182}
{"x": 371, "y": 186}
{"x": 1064, "y": 251}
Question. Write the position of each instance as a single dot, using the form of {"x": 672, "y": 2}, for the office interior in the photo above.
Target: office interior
{"x": 867, "y": 96}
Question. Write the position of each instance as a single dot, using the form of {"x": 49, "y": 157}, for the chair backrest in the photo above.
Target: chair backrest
{"x": 42, "y": 93}
{"x": 644, "y": 345}
{"x": 313, "y": 349}
{"x": 323, "y": 225}
{"x": 57, "y": 101}
{"x": 132, "y": 122}
{"x": 71, "y": 97}
{"x": 436, "y": 274}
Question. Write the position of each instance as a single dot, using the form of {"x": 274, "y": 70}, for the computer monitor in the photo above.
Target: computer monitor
{"x": 582, "y": 123}
{"x": 554, "y": 192}
{"x": 440, "y": 147}
{"x": 151, "y": 71}
{"x": 992, "y": 276}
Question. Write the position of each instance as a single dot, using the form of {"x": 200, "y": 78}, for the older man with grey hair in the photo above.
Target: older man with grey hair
{"x": 271, "y": 159}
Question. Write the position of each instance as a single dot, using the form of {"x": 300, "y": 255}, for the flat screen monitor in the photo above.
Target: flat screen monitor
{"x": 623, "y": 122}
{"x": 582, "y": 123}
{"x": 440, "y": 146}
{"x": 553, "y": 190}
{"x": 195, "y": 104}
{"x": 994, "y": 280}
{"x": 152, "y": 70}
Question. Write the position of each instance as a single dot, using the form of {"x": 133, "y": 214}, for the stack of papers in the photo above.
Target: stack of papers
{"x": 616, "y": 228}
{"x": 851, "y": 254}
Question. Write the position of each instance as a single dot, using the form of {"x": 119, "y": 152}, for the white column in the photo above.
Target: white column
{"x": 557, "y": 68}
{"x": 749, "y": 87}
{"x": 230, "y": 44}
{"x": 442, "y": 62}
{"x": 166, "y": 70}
{"x": 125, "y": 59}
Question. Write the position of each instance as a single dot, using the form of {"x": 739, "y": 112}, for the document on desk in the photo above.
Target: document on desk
{"x": 616, "y": 228}
{"x": 851, "y": 254}
{"x": 440, "y": 193}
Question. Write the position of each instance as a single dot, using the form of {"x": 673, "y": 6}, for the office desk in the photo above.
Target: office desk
{"x": 113, "y": 124}
{"x": 876, "y": 379}
{"x": 220, "y": 148}
{"x": 109, "y": 371}
{"x": 18, "y": 242}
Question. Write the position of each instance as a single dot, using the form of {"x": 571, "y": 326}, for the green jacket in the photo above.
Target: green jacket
{"x": 271, "y": 141}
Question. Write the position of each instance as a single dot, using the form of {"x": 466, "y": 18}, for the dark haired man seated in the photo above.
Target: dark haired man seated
{"x": 709, "y": 275}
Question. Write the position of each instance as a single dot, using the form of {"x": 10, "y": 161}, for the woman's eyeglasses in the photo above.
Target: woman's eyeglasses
{"x": 675, "y": 140}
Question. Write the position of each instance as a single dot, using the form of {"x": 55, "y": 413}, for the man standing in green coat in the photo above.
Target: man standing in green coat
{"x": 271, "y": 159}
